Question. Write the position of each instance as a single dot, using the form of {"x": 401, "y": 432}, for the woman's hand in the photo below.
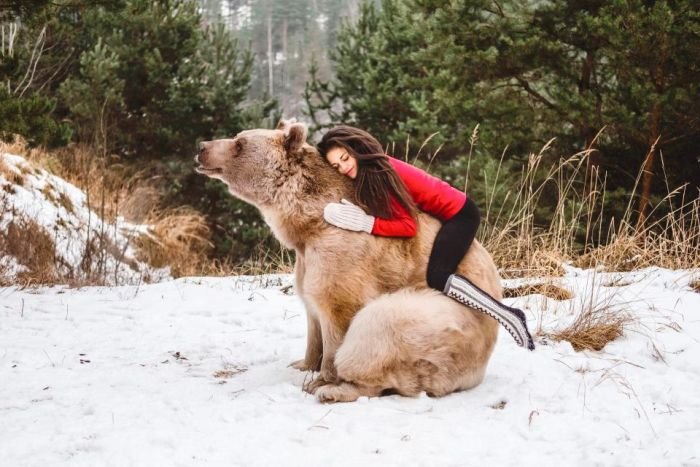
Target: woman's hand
{"x": 348, "y": 216}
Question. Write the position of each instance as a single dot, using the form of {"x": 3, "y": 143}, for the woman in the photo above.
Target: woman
{"x": 389, "y": 192}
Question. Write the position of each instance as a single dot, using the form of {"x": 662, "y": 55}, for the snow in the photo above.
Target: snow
{"x": 136, "y": 375}
{"x": 66, "y": 214}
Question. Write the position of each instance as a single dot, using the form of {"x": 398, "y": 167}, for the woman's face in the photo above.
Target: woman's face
{"x": 339, "y": 158}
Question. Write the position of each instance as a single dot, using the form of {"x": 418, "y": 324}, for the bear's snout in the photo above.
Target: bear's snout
{"x": 205, "y": 160}
{"x": 203, "y": 148}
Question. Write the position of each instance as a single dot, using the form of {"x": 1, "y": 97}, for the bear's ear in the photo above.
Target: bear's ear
{"x": 285, "y": 124}
{"x": 294, "y": 137}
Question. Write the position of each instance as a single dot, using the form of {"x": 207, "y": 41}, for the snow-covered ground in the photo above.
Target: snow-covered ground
{"x": 83, "y": 242}
{"x": 194, "y": 372}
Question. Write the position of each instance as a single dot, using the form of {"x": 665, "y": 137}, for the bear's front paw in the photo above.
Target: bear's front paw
{"x": 302, "y": 365}
{"x": 312, "y": 386}
{"x": 337, "y": 393}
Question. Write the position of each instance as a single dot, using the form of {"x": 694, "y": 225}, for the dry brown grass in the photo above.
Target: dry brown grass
{"x": 523, "y": 249}
{"x": 264, "y": 261}
{"x": 520, "y": 247}
{"x": 518, "y": 257}
{"x": 229, "y": 371}
{"x": 33, "y": 248}
{"x": 600, "y": 317}
{"x": 9, "y": 174}
{"x": 593, "y": 330}
{"x": 672, "y": 242}
{"x": 550, "y": 290}
{"x": 178, "y": 238}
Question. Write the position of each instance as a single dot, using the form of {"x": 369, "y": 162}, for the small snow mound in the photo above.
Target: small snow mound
{"x": 43, "y": 216}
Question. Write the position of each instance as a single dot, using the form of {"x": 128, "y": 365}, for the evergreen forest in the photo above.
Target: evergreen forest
{"x": 482, "y": 93}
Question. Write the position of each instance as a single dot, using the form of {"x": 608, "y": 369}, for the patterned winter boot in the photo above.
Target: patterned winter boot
{"x": 465, "y": 292}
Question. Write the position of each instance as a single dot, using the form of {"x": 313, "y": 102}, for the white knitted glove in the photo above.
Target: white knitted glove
{"x": 348, "y": 216}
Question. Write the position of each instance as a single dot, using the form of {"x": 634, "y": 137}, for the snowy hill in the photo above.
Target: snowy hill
{"x": 44, "y": 219}
{"x": 194, "y": 372}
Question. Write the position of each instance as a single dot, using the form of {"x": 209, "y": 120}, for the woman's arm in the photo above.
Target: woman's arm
{"x": 401, "y": 223}
{"x": 350, "y": 217}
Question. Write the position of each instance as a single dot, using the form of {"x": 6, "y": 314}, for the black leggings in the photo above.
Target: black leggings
{"x": 451, "y": 244}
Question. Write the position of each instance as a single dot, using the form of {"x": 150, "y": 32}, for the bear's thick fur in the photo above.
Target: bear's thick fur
{"x": 374, "y": 326}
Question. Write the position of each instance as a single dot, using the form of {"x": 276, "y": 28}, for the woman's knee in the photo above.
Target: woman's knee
{"x": 437, "y": 277}
{"x": 472, "y": 212}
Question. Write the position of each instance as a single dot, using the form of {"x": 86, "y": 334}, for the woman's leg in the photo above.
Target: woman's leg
{"x": 451, "y": 244}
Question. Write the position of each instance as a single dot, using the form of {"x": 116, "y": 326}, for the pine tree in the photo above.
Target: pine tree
{"x": 526, "y": 72}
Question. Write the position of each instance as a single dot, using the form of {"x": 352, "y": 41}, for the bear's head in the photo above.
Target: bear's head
{"x": 266, "y": 167}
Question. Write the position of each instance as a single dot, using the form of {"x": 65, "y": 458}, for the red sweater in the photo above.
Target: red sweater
{"x": 430, "y": 194}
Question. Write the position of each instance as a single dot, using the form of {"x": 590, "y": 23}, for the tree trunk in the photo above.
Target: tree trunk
{"x": 285, "y": 69}
{"x": 648, "y": 166}
{"x": 658, "y": 77}
{"x": 587, "y": 132}
{"x": 269, "y": 54}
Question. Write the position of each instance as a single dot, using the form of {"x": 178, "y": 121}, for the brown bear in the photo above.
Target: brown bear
{"x": 374, "y": 326}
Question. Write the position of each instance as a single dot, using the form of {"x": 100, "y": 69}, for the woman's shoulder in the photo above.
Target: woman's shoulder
{"x": 411, "y": 174}
{"x": 402, "y": 167}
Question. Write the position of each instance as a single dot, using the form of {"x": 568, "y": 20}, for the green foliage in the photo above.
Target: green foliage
{"x": 96, "y": 97}
{"x": 165, "y": 80}
{"x": 525, "y": 71}
{"x": 24, "y": 110}
{"x": 31, "y": 116}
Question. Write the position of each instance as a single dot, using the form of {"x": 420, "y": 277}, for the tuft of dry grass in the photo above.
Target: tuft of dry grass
{"x": 593, "y": 330}
{"x": 229, "y": 371}
{"x": 265, "y": 261}
{"x": 10, "y": 174}
{"x": 600, "y": 319}
{"x": 518, "y": 257}
{"x": 33, "y": 248}
{"x": 549, "y": 290}
{"x": 179, "y": 238}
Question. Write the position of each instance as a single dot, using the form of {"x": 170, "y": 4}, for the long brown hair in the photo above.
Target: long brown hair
{"x": 376, "y": 181}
